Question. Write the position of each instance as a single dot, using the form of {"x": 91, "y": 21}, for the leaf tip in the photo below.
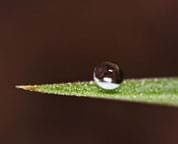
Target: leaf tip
{"x": 27, "y": 87}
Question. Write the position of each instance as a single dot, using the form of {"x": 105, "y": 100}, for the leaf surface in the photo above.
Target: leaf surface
{"x": 163, "y": 91}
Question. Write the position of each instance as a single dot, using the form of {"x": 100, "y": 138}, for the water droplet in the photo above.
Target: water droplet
{"x": 108, "y": 76}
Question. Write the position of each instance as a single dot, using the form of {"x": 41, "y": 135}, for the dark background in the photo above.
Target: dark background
{"x": 59, "y": 41}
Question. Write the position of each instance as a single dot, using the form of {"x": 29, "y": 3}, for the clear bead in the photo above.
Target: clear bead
{"x": 108, "y": 76}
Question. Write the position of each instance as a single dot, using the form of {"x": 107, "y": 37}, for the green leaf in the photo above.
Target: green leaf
{"x": 163, "y": 91}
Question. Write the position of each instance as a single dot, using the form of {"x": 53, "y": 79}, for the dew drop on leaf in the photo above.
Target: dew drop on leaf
{"x": 108, "y": 76}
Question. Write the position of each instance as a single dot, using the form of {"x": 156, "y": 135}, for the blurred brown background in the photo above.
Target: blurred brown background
{"x": 58, "y": 41}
